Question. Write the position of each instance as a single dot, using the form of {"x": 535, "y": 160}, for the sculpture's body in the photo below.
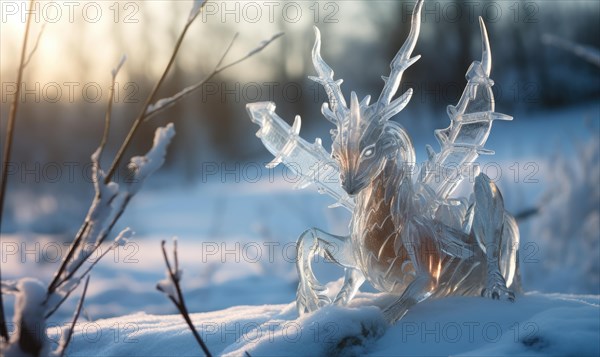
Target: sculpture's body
{"x": 408, "y": 236}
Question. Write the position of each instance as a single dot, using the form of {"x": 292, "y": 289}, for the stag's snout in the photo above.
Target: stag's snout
{"x": 351, "y": 185}
{"x": 348, "y": 186}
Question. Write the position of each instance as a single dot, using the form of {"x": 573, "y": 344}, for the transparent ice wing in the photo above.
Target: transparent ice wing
{"x": 463, "y": 141}
{"x": 309, "y": 161}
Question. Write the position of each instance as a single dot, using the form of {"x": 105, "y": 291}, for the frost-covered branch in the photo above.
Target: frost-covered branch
{"x": 36, "y": 302}
{"x": 107, "y": 207}
{"x": 196, "y": 8}
{"x": 170, "y": 287}
{"x": 99, "y": 191}
{"x": 149, "y": 109}
{"x": 74, "y": 283}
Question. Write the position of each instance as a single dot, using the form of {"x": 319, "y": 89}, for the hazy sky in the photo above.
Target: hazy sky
{"x": 83, "y": 40}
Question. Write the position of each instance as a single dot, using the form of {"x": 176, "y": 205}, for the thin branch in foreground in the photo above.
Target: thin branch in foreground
{"x": 108, "y": 206}
{"x": 165, "y": 103}
{"x": 140, "y": 118}
{"x": 35, "y": 46}
{"x": 62, "y": 348}
{"x": 107, "y": 116}
{"x": 261, "y": 46}
{"x": 235, "y": 36}
{"x": 119, "y": 241}
{"x": 170, "y": 286}
{"x": 86, "y": 224}
{"x": 10, "y": 132}
{"x": 148, "y": 109}
{"x": 56, "y": 280}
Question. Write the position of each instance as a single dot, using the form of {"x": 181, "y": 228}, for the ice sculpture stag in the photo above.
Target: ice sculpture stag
{"x": 409, "y": 236}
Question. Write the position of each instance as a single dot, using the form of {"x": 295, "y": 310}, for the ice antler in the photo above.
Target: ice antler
{"x": 399, "y": 64}
{"x": 310, "y": 161}
{"x": 336, "y": 111}
{"x": 463, "y": 141}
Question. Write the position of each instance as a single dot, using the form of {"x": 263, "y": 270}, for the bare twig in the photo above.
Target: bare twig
{"x": 235, "y": 36}
{"x": 63, "y": 347}
{"x": 85, "y": 274}
{"x": 63, "y": 265}
{"x": 261, "y": 46}
{"x": 101, "y": 240}
{"x": 168, "y": 102}
{"x": 35, "y": 46}
{"x": 7, "y": 151}
{"x": 166, "y": 258}
{"x": 111, "y": 96}
{"x": 58, "y": 278}
{"x": 174, "y": 275}
{"x": 122, "y": 237}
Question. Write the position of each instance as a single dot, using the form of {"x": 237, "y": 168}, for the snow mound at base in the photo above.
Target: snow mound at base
{"x": 536, "y": 324}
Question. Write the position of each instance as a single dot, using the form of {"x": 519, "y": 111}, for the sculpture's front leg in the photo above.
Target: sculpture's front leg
{"x": 488, "y": 224}
{"x": 417, "y": 291}
{"x": 427, "y": 262}
{"x": 311, "y": 294}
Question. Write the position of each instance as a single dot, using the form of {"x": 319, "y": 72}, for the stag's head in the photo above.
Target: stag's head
{"x": 364, "y": 138}
{"x": 363, "y": 144}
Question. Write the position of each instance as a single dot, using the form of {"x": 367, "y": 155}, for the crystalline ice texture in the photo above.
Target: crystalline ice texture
{"x": 408, "y": 235}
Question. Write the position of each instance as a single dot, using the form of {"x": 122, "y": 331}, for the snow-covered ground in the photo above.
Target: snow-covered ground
{"x": 236, "y": 246}
{"x": 535, "y": 325}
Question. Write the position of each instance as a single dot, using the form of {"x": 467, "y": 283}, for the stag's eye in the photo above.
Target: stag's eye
{"x": 368, "y": 152}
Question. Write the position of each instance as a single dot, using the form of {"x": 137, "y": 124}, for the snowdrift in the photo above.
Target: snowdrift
{"x": 535, "y": 325}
